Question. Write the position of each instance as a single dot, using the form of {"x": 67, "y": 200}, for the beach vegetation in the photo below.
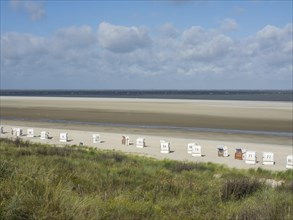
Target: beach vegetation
{"x": 39, "y": 181}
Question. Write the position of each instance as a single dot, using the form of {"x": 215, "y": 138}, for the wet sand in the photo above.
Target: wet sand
{"x": 238, "y": 115}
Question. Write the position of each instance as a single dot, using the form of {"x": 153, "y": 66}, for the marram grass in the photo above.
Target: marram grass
{"x": 46, "y": 182}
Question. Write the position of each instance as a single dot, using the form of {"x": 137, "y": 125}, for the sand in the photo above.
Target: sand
{"x": 112, "y": 141}
{"x": 114, "y": 117}
{"x": 239, "y": 115}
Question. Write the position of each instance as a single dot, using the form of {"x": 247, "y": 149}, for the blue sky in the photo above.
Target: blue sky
{"x": 146, "y": 44}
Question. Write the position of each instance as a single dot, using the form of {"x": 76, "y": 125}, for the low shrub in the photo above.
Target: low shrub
{"x": 239, "y": 188}
{"x": 6, "y": 168}
{"x": 287, "y": 187}
{"x": 18, "y": 142}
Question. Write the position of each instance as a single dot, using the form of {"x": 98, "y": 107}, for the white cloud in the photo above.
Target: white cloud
{"x": 195, "y": 58}
{"x": 168, "y": 30}
{"x": 122, "y": 39}
{"x": 202, "y": 44}
{"x": 271, "y": 37}
{"x": 35, "y": 9}
{"x": 16, "y": 45}
{"x": 193, "y": 35}
{"x": 72, "y": 37}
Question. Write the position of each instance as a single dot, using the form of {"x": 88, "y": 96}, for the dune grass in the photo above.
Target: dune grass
{"x": 46, "y": 182}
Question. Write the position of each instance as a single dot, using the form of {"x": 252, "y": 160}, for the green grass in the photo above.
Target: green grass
{"x": 47, "y": 182}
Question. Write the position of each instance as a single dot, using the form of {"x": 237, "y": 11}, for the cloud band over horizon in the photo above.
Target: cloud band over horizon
{"x": 115, "y": 56}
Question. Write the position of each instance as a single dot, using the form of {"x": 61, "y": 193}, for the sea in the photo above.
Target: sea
{"x": 249, "y": 95}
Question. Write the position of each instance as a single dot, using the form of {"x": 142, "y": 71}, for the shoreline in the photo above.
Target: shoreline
{"x": 135, "y": 99}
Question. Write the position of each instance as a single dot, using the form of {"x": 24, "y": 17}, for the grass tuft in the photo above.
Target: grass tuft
{"x": 239, "y": 188}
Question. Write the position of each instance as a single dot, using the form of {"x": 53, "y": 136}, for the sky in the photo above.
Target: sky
{"x": 176, "y": 44}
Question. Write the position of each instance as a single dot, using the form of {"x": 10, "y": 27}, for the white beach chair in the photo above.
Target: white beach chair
{"x": 96, "y": 138}
{"x": 30, "y": 132}
{"x": 268, "y": 158}
{"x": 140, "y": 142}
{"x": 18, "y": 132}
{"x": 289, "y": 160}
{"x": 165, "y": 147}
{"x": 63, "y": 137}
{"x": 196, "y": 151}
{"x": 44, "y": 135}
{"x": 250, "y": 157}
{"x": 189, "y": 147}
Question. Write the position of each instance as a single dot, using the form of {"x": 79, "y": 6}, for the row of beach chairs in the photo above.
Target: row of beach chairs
{"x": 194, "y": 149}
{"x": 250, "y": 157}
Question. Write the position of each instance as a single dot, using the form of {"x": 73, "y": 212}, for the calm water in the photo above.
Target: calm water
{"x": 257, "y": 95}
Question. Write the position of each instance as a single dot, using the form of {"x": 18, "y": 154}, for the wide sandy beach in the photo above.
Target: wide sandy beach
{"x": 242, "y": 115}
{"x": 153, "y": 119}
